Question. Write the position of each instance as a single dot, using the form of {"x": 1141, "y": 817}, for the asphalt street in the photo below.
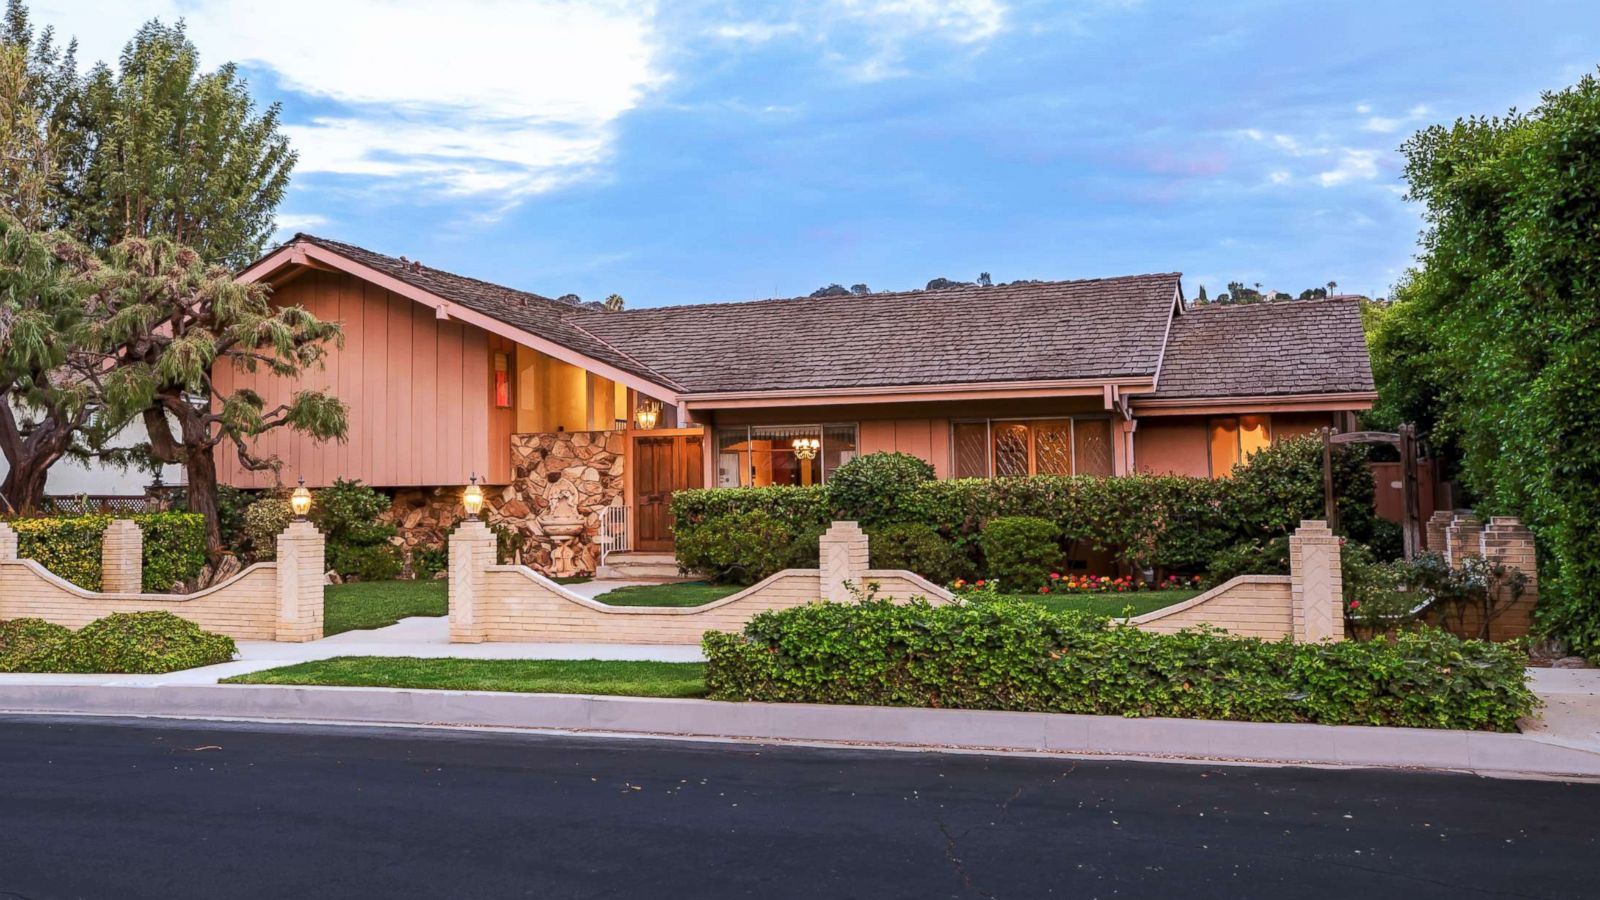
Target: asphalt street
{"x": 133, "y": 809}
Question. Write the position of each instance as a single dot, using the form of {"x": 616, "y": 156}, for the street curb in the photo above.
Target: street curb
{"x": 855, "y": 726}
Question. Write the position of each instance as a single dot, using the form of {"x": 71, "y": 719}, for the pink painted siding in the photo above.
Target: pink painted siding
{"x": 418, "y": 390}
{"x": 1173, "y": 445}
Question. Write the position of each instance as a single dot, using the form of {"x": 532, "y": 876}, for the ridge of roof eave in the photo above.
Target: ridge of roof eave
{"x": 302, "y": 248}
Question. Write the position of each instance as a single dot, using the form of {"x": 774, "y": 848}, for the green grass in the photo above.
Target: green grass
{"x": 374, "y": 604}
{"x": 1112, "y": 604}
{"x": 628, "y": 678}
{"x": 682, "y": 593}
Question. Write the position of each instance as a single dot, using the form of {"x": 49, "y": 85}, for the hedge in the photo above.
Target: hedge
{"x": 1166, "y": 522}
{"x": 69, "y": 546}
{"x": 1014, "y": 655}
{"x": 148, "y": 643}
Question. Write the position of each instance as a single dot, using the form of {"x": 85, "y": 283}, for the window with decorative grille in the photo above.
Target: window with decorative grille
{"x": 1015, "y": 447}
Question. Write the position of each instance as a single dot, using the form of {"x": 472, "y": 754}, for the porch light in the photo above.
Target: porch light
{"x": 646, "y": 415}
{"x": 300, "y": 501}
{"x": 806, "y": 448}
{"x": 473, "y": 499}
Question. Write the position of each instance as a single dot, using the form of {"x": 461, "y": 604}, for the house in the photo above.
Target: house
{"x": 575, "y": 414}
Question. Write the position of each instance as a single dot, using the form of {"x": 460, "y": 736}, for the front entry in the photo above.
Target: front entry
{"x": 661, "y": 465}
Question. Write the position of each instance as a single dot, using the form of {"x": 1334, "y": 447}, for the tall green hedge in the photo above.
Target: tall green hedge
{"x": 1159, "y": 521}
{"x": 69, "y": 546}
{"x": 1014, "y": 655}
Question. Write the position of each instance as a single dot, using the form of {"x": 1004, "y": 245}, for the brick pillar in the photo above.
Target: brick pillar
{"x": 843, "y": 554}
{"x": 122, "y": 558}
{"x": 472, "y": 552}
{"x": 1435, "y": 529}
{"x": 1507, "y": 542}
{"x": 1462, "y": 537}
{"x": 302, "y": 568}
{"x": 8, "y": 542}
{"x": 1316, "y": 583}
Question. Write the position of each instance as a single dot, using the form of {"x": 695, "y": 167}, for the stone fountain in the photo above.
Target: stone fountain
{"x": 561, "y": 523}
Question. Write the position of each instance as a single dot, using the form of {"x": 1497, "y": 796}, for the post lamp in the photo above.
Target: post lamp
{"x": 472, "y": 499}
{"x": 300, "y": 501}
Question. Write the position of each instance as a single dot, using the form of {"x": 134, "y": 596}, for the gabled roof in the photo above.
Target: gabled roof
{"x": 1131, "y": 329}
{"x": 1045, "y": 331}
{"x": 1285, "y": 347}
{"x": 551, "y": 319}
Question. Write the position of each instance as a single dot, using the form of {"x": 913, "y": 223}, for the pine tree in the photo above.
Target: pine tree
{"x": 173, "y": 152}
{"x": 170, "y": 324}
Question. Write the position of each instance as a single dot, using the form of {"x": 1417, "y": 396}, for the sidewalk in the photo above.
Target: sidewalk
{"x": 1563, "y": 746}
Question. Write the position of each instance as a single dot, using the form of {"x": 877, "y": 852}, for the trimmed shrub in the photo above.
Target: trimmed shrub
{"x": 174, "y": 548}
{"x": 920, "y": 549}
{"x": 1020, "y": 552}
{"x": 1169, "y": 523}
{"x": 264, "y": 520}
{"x": 872, "y": 489}
{"x": 1257, "y": 557}
{"x": 69, "y": 546}
{"x": 32, "y": 645}
{"x": 427, "y": 562}
{"x": 144, "y": 643}
{"x": 373, "y": 562}
{"x": 358, "y": 543}
{"x": 1014, "y": 655}
{"x": 745, "y": 547}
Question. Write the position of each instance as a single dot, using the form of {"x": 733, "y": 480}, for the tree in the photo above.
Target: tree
{"x": 1201, "y": 296}
{"x": 939, "y": 284}
{"x": 170, "y": 151}
{"x": 46, "y": 381}
{"x": 860, "y": 290}
{"x": 171, "y": 325}
{"x": 1315, "y": 293}
{"x": 614, "y": 303}
{"x": 1333, "y": 287}
{"x": 1494, "y": 337}
{"x": 831, "y": 290}
{"x": 984, "y": 280}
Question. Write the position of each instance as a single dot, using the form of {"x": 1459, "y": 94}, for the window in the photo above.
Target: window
{"x": 1233, "y": 440}
{"x": 761, "y": 455}
{"x": 502, "y": 381}
{"x": 1005, "y": 448}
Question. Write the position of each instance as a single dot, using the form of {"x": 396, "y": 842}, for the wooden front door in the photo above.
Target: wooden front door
{"x": 662, "y": 465}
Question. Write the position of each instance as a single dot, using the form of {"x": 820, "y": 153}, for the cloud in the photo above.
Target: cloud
{"x": 1279, "y": 177}
{"x": 479, "y": 97}
{"x": 299, "y": 221}
{"x": 755, "y": 32}
{"x": 1389, "y": 124}
{"x": 1355, "y": 164}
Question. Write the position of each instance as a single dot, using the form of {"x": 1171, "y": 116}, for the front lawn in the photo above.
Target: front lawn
{"x": 1111, "y": 604}
{"x": 375, "y": 604}
{"x": 630, "y": 678}
{"x": 678, "y": 593}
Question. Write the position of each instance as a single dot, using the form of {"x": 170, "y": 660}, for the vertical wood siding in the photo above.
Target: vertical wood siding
{"x": 418, "y": 389}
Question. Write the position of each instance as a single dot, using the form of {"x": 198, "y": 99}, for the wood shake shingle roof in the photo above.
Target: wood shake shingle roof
{"x": 1267, "y": 349}
{"x": 1105, "y": 328}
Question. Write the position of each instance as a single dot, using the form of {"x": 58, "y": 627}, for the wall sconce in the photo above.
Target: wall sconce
{"x": 300, "y": 501}
{"x": 806, "y": 448}
{"x": 472, "y": 499}
{"x": 646, "y": 414}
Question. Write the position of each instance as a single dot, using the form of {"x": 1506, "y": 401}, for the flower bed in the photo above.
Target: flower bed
{"x": 1013, "y": 655}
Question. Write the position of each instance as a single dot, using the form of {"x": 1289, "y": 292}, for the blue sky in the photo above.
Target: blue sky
{"x": 677, "y": 152}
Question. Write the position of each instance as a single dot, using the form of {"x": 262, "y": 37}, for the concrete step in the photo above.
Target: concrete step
{"x": 641, "y": 566}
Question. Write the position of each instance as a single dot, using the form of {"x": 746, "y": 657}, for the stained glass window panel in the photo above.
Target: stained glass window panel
{"x": 971, "y": 449}
{"x": 1010, "y": 449}
{"x": 1052, "y": 447}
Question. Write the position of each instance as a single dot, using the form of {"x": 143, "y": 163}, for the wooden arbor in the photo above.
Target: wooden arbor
{"x": 1406, "y": 441}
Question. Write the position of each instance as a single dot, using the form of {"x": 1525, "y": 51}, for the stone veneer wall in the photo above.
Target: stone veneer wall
{"x": 591, "y": 462}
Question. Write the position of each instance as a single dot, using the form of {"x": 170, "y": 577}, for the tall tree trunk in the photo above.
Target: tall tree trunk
{"x": 201, "y": 466}
{"x": 29, "y": 460}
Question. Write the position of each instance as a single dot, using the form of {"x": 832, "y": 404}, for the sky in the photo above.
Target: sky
{"x": 679, "y": 152}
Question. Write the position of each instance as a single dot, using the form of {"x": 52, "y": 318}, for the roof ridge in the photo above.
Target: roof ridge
{"x": 912, "y": 292}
